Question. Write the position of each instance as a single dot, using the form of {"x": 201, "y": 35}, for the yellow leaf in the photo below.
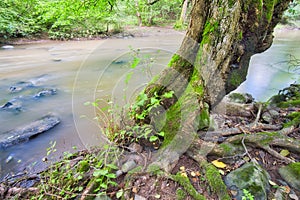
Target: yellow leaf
{"x": 193, "y": 174}
{"x": 218, "y": 164}
{"x": 183, "y": 174}
{"x": 284, "y": 152}
{"x": 272, "y": 183}
{"x": 182, "y": 168}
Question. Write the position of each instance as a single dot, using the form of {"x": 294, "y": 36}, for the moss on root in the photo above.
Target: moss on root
{"x": 215, "y": 182}
{"x": 188, "y": 187}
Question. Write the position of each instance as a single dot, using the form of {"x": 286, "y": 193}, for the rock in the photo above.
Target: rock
{"x": 23, "y": 134}
{"x": 12, "y": 105}
{"x": 7, "y": 47}
{"x": 57, "y": 59}
{"x": 45, "y": 92}
{"x": 251, "y": 177}
{"x": 138, "y": 197}
{"x": 129, "y": 165}
{"x": 20, "y": 86}
{"x": 291, "y": 174}
{"x": 135, "y": 148}
{"x": 270, "y": 115}
{"x": 9, "y": 158}
{"x": 102, "y": 197}
{"x": 243, "y": 98}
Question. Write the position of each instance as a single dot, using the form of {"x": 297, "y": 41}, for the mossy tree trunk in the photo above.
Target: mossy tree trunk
{"x": 212, "y": 61}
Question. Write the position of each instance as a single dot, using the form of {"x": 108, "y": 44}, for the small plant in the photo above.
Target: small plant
{"x": 247, "y": 195}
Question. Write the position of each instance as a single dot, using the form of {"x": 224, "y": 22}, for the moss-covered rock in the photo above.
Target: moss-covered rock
{"x": 291, "y": 174}
{"x": 251, "y": 177}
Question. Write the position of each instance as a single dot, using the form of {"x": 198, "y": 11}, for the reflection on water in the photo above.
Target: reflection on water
{"x": 87, "y": 70}
{"x": 271, "y": 70}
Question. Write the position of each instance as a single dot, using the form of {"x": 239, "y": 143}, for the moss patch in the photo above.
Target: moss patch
{"x": 215, "y": 182}
{"x": 188, "y": 187}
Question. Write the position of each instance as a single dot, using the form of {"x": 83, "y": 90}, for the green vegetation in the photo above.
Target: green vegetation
{"x": 68, "y": 178}
{"x": 68, "y": 19}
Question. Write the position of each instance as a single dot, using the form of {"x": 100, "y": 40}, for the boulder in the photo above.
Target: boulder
{"x": 24, "y": 133}
{"x": 291, "y": 174}
{"x": 252, "y": 177}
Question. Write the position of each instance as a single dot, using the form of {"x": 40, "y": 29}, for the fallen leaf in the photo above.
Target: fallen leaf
{"x": 157, "y": 196}
{"x": 193, "y": 174}
{"x": 272, "y": 183}
{"x": 198, "y": 173}
{"x": 284, "y": 152}
{"x": 218, "y": 164}
{"x": 134, "y": 190}
{"x": 194, "y": 180}
{"x": 182, "y": 168}
{"x": 221, "y": 172}
{"x": 183, "y": 174}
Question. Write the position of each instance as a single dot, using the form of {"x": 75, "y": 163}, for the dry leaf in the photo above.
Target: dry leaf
{"x": 272, "y": 183}
{"x": 134, "y": 190}
{"x": 284, "y": 152}
{"x": 221, "y": 172}
{"x": 193, "y": 174}
{"x": 218, "y": 164}
{"x": 183, "y": 174}
{"x": 182, "y": 168}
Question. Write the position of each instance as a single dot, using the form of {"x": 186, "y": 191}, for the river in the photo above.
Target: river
{"x": 82, "y": 71}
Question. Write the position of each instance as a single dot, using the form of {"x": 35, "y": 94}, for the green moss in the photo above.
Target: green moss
{"x": 154, "y": 169}
{"x": 204, "y": 120}
{"x": 83, "y": 166}
{"x": 188, "y": 187}
{"x": 227, "y": 148}
{"x": 136, "y": 170}
{"x": 294, "y": 119}
{"x": 174, "y": 59}
{"x": 289, "y": 103}
{"x": 215, "y": 182}
{"x": 295, "y": 169}
{"x": 235, "y": 78}
{"x": 180, "y": 194}
{"x": 269, "y": 9}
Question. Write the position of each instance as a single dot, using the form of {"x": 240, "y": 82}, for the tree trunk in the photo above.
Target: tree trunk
{"x": 212, "y": 61}
{"x": 138, "y": 14}
{"x": 183, "y": 11}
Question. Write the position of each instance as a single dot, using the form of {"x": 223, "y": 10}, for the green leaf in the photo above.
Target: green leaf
{"x": 100, "y": 172}
{"x": 162, "y": 134}
{"x": 120, "y": 194}
{"x": 168, "y": 94}
{"x": 111, "y": 176}
{"x": 111, "y": 165}
{"x": 153, "y": 138}
{"x": 135, "y": 62}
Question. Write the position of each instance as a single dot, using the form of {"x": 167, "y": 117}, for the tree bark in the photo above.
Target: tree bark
{"x": 212, "y": 60}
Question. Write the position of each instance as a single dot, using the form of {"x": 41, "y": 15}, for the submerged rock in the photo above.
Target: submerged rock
{"x": 24, "y": 133}
{"x": 20, "y": 86}
{"x": 291, "y": 174}
{"x": 45, "y": 92}
{"x": 251, "y": 177}
{"x": 12, "y": 105}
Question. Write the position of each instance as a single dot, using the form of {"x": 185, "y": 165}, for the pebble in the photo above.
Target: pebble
{"x": 129, "y": 165}
{"x": 138, "y": 197}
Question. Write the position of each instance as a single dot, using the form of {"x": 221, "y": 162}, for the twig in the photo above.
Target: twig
{"x": 277, "y": 155}
{"x": 258, "y": 114}
{"x": 243, "y": 143}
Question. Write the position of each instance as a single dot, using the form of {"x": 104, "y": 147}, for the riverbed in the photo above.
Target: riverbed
{"x": 82, "y": 72}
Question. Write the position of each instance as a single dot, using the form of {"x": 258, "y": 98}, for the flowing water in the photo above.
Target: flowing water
{"x": 82, "y": 71}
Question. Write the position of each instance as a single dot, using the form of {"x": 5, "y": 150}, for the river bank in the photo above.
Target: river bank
{"x": 129, "y": 175}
